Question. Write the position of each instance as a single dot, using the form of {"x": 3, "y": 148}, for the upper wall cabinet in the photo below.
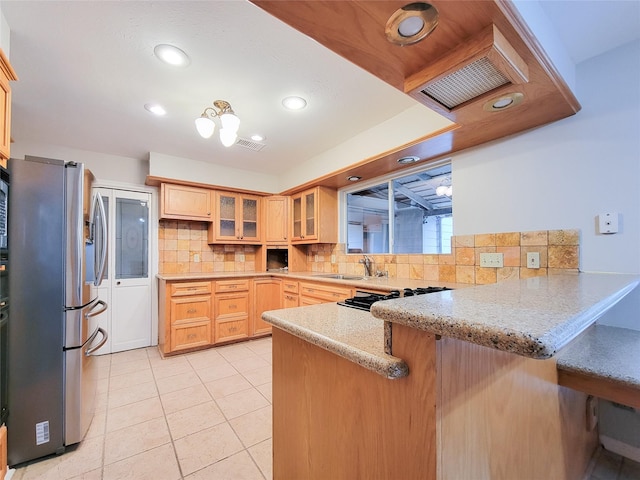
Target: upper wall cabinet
{"x": 181, "y": 202}
{"x": 314, "y": 216}
{"x": 237, "y": 219}
{"x": 6, "y": 75}
{"x": 276, "y": 224}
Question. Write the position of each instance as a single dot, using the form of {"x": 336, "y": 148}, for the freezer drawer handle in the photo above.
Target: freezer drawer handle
{"x": 91, "y": 313}
{"x": 102, "y": 342}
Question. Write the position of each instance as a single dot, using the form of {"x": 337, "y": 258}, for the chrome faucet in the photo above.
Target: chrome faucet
{"x": 368, "y": 264}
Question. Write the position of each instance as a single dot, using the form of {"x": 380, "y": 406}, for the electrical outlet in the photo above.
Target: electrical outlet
{"x": 196, "y": 258}
{"x": 333, "y": 259}
{"x": 491, "y": 260}
{"x": 316, "y": 258}
{"x": 533, "y": 259}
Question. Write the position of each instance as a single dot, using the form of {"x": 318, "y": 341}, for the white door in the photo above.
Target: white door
{"x": 127, "y": 283}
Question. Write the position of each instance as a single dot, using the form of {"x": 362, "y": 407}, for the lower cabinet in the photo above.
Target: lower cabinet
{"x": 267, "y": 295}
{"x": 312, "y": 293}
{"x": 290, "y": 297}
{"x": 231, "y": 310}
{"x": 184, "y": 315}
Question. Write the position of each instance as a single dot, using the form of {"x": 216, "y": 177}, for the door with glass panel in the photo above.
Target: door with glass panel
{"x": 127, "y": 284}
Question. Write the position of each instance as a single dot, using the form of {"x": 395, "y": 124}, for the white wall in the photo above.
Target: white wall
{"x": 106, "y": 168}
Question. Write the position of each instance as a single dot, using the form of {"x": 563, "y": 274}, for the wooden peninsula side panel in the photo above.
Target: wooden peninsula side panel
{"x": 333, "y": 419}
{"x": 464, "y": 411}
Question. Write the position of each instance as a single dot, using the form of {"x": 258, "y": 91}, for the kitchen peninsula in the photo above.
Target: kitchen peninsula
{"x": 458, "y": 384}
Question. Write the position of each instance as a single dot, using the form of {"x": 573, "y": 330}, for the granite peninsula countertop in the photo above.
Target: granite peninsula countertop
{"x": 533, "y": 317}
{"x": 350, "y": 333}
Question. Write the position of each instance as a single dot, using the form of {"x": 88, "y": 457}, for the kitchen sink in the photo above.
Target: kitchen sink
{"x": 339, "y": 276}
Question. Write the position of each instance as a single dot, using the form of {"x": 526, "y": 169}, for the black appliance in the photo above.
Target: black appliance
{"x": 363, "y": 300}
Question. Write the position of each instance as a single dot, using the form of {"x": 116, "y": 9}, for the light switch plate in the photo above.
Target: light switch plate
{"x": 533, "y": 259}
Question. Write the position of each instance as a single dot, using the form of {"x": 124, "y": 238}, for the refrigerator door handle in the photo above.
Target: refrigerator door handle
{"x": 91, "y": 313}
{"x": 105, "y": 337}
{"x": 100, "y": 237}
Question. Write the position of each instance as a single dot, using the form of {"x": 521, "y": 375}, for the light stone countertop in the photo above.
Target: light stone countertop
{"x": 364, "y": 283}
{"x": 350, "y": 333}
{"x": 532, "y": 317}
{"x": 605, "y": 352}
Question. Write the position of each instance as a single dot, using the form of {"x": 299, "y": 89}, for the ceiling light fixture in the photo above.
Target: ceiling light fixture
{"x": 409, "y": 159}
{"x": 411, "y": 23}
{"x": 354, "y": 178}
{"x": 294, "y": 103}
{"x": 171, "y": 55}
{"x": 228, "y": 119}
{"x": 503, "y": 102}
{"x": 257, "y": 137}
{"x": 155, "y": 109}
{"x": 445, "y": 188}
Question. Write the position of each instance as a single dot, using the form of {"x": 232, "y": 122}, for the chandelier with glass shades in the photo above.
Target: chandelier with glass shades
{"x": 228, "y": 120}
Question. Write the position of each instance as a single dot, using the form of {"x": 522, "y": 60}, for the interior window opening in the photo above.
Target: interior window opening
{"x": 411, "y": 213}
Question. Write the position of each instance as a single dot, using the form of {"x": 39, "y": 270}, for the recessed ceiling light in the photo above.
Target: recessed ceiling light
{"x": 257, "y": 137}
{"x": 503, "y": 102}
{"x": 155, "y": 109}
{"x": 409, "y": 159}
{"x": 354, "y": 178}
{"x": 294, "y": 103}
{"x": 411, "y": 23}
{"x": 171, "y": 55}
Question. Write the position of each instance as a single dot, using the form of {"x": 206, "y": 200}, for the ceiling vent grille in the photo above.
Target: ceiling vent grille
{"x": 485, "y": 63}
{"x": 469, "y": 82}
{"x": 250, "y": 144}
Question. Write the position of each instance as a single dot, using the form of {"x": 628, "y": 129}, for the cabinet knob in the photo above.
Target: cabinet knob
{"x": 192, "y": 310}
{"x": 233, "y": 306}
{"x": 233, "y": 329}
{"x": 191, "y": 336}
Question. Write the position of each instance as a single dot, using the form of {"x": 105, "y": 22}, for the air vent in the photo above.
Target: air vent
{"x": 250, "y": 144}
{"x": 485, "y": 63}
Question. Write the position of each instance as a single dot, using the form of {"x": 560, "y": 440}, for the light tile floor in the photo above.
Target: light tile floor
{"x": 199, "y": 416}
{"x": 203, "y": 415}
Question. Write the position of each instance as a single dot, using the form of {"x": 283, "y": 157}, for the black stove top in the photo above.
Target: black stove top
{"x": 364, "y": 300}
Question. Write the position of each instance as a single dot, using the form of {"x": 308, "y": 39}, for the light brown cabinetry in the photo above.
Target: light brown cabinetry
{"x": 181, "y": 202}
{"x": 6, "y": 75}
{"x": 232, "y": 310}
{"x": 276, "y": 220}
{"x": 314, "y": 216}
{"x": 312, "y": 293}
{"x": 267, "y": 295}
{"x": 290, "y": 297}
{"x": 237, "y": 219}
{"x": 185, "y": 316}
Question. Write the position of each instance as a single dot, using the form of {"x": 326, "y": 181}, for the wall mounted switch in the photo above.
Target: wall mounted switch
{"x": 491, "y": 260}
{"x": 608, "y": 223}
{"x": 533, "y": 260}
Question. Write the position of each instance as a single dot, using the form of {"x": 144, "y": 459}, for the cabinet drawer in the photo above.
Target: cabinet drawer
{"x": 190, "y": 288}
{"x": 324, "y": 292}
{"x": 290, "y": 300}
{"x": 232, "y": 305}
{"x": 232, "y": 330}
{"x": 191, "y": 335}
{"x": 291, "y": 287}
{"x": 232, "y": 285}
{"x": 189, "y": 309}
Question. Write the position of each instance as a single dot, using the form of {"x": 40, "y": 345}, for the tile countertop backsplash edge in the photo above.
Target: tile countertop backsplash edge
{"x": 544, "y": 314}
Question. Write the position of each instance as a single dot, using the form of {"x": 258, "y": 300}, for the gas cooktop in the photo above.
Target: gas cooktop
{"x": 364, "y": 300}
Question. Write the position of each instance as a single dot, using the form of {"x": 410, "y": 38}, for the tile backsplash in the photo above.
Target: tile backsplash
{"x": 183, "y": 248}
{"x": 559, "y": 252}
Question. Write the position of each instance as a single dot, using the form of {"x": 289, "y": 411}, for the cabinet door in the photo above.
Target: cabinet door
{"x": 249, "y": 217}
{"x": 6, "y": 74}
{"x": 310, "y": 209}
{"x": 190, "y": 335}
{"x": 185, "y": 203}
{"x": 226, "y": 212}
{"x": 290, "y": 300}
{"x": 267, "y": 295}
{"x": 276, "y": 219}
{"x": 296, "y": 210}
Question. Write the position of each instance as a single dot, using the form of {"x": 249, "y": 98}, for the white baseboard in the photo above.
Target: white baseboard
{"x": 621, "y": 448}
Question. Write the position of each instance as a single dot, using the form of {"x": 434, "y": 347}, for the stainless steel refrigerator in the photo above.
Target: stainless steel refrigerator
{"x": 57, "y": 256}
